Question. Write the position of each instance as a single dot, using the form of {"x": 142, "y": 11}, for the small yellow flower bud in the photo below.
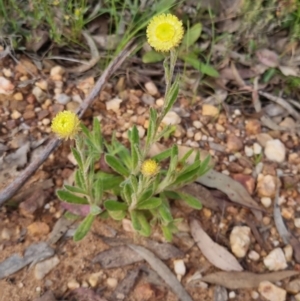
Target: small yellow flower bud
{"x": 164, "y": 32}
{"x": 66, "y": 125}
{"x": 149, "y": 168}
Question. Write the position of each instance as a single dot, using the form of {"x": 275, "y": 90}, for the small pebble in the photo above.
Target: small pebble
{"x": 240, "y": 240}
{"x": 253, "y": 255}
{"x": 248, "y": 151}
{"x": 179, "y": 268}
{"x": 160, "y": 102}
{"x": 288, "y": 253}
{"x": 254, "y": 295}
{"x": 7, "y": 72}
{"x": 197, "y": 124}
{"x": 18, "y": 96}
{"x": 237, "y": 112}
{"x": 73, "y": 284}
{"x": 198, "y": 136}
{"x": 231, "y": 295}
{"x": 15, "y": 115}
{"x": 151, "y": 88}
{"x": 112, "y": 282}
{"x": 39, "y": 94}
{"x": 275, "y": 260}
{"x": 94, "y": 278}
{"x": 114, "y": 104}
{"x": 57, "y": 70}
{"x": 266, "y": 202}
{"x": 220, "y": 128}
{"x": 275, "y": 151}
{"x": 62, "y": 98}
{"x": 5, "y": 234}
{"x": 171, "y": 118}
{"x": 209, "y": 110}
{"x": 297, "y": 222}
{"x": 257, "y": 148}
{"x": 271, "y": 292}
{"x": 46, "y": 121}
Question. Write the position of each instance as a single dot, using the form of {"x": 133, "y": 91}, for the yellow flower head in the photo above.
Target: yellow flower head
{"x": 149, "y": 168}
{"x": 65, "y": 124}
{"x": 164, "y": 32}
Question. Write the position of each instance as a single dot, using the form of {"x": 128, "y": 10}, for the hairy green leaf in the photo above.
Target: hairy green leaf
{"x": 165, "y": 213}
{"x": 151, "y": 203}
{"x": 95, "y": 210}
{"x": 192, "y": 35}
{"x": 117, "y": 215}
{"x": 84, "y": 227}
{"x": 69, "y": 197}
{"x": 167, "y": 233}
{"x": 109, "y": 181}
{"x": 74, "y": 189}
{"x": 79, "y": 179}
{"x": 77, "y": 157}
{"x": 171, "y": 97}
{"x": 145, "y": 226}
{"x": 190, "y": 200}
{"x": 116, "y": 165}
{"x": 98, "y": 139}
{"x": 112, "y": 205}
{"x": 163, "y": 155}
{"x": 135, "y": 220}
{"x": 98, "y": 190}
{"x": 152, "y": 57}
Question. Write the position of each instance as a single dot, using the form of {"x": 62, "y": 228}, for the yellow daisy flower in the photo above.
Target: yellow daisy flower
{"x": 164, "y": 32}
{"x": 66, "y": 125}
{"x": 149, "y": 168}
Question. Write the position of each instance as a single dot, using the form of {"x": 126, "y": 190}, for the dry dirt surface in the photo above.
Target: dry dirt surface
{"x": 243, "y": 245}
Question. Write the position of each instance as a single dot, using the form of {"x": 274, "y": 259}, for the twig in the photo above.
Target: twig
{"x": 282, "y": 102}
{"x": 20, "y": 180}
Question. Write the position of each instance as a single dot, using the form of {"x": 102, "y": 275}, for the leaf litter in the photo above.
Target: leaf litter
{"x": 216, "y": 254}
{"x": 163, "y": 271}
{"x": 238, "y": 280}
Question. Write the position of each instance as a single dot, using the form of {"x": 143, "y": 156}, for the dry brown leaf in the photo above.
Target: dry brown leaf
{"x": 9, "y": 165}
{"x": 234, "y": 190}
{"x": 201, "y": 193}
{"x": 217, "y": 255}
{"x": 107, "y": 42}
{"x": 59, "y": 229}
{"x": 267, "y": 57}
{"x": 237, "y": 280}
{"x": 282, "y": 102}
{"x": 126, "y": 285}
{"x": 37, "y": 39}
{"x": 95, "y": 56}
{"x": 86, "y": 294}
{"x": 289, "y": 71}
{"x": 163, "y": 271}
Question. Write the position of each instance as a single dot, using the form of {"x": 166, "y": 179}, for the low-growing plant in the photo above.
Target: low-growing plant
{"x": 123, "y": 182}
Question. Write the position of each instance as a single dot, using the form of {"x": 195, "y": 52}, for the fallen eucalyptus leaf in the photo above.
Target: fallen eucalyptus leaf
{"x": 126, "y": 285}
{"x": 33, "y": 254}
{"x": 267, "y": 57}
{"x": 59, "y": 229}
{"x": 234, "y": 190}
{"x": 217, "y": 255}
{"x": 163, "y": 271}
{"x": 238, "y": 280}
